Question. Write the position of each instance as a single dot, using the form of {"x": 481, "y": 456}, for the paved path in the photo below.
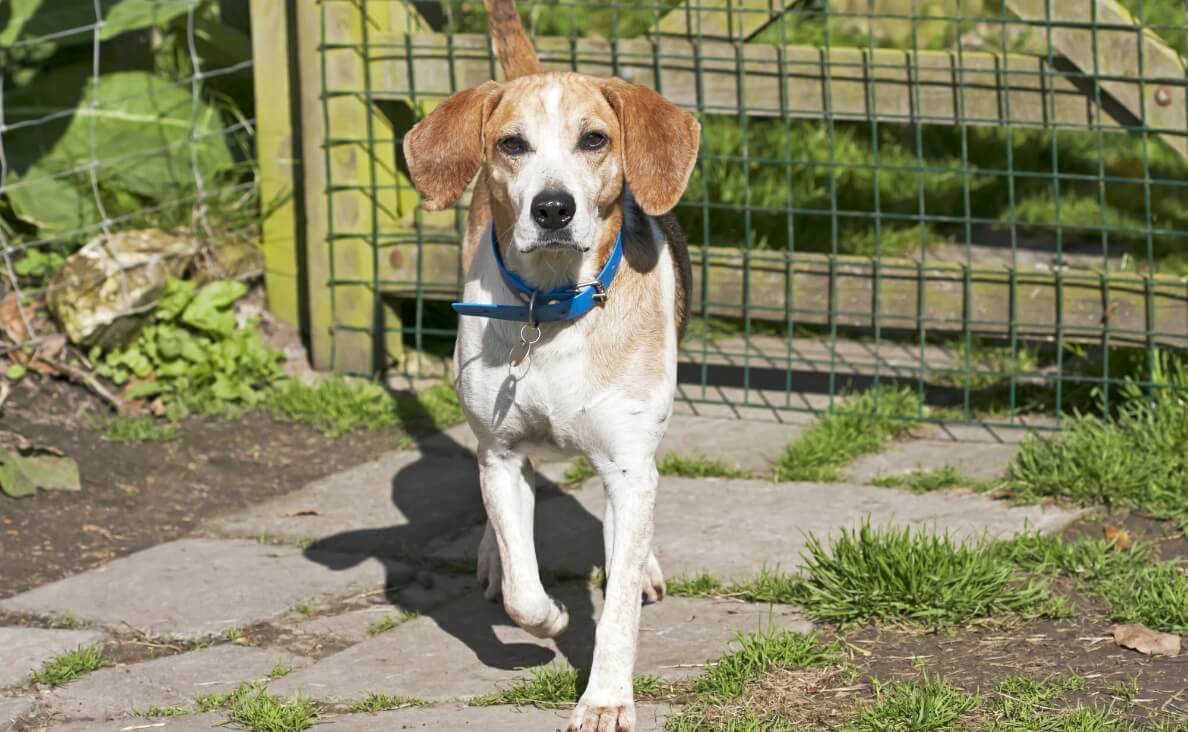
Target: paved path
{"x": 354, "y": 584}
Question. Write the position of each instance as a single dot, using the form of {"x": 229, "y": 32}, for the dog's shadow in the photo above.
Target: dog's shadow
{"x": 429, "y": 492}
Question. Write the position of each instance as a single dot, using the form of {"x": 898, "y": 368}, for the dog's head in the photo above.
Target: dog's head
{"x": 559, "y": 148}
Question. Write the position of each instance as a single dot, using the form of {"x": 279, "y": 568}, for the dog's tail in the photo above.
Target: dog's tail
{"x": 512, "y": 46}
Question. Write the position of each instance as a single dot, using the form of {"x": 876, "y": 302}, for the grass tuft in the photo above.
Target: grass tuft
{"x": 138, "y": 429}
{"x": 552, "y": 687}
{"x": 758, "y": 653}
{"x": 375, "y": 702}
{"x": 692, "y": 466}
{"x": 70, "y": 665}
{"x": 704, "y": 585}
{"x": 919, "y": 705}
{"x": 579, "y": 470}
{"x": 164, "y": 712}
{"x": 333, "y": 406}
{"x": 260, "y": 711}
{"x": 863, "y": 423}
{"x": 927, "y": 481}
{"x": 1138, "y": 461}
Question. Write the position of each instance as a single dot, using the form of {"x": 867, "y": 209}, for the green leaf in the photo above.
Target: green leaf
{"x": 144, "y": 389}
{"x": 210, "y": 308}
{"x": 15, "y": 372}
{"x": 175, "y": 298}
{"x": 141, "y": 127}
{"x": 23, "y": 475}
{"x": 135, "y": 14}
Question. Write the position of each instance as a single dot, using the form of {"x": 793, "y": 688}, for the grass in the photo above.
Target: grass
{"x": 254, "y": 709}
{"x": 886, "y": 574}
{"x": 1139, "y": 460}
{"x": 919, "y": 705}
{"x": 382, "y": 626}
{"x": 927, "y": 481}
{"x": 758, "y": 653}
{"x": 983, "y": 365}
{"x": 138, "y": 429}
{"x": 280, "y": 670}
{"x": 579, "y": 470}
{"x": 165, "y": 712}
{"x": 70, "y": 665}
{"x": 333, "y": 406}
{"x": 692, "y": 466}
{"x": 430, "y": 410}
{"x": 552, "y": 687}
{"x": 376, "y": 702}
{"x": 863, "y": 423}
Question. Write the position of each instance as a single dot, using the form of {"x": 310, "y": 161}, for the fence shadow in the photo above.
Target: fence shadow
{"x": 416, "y": 490}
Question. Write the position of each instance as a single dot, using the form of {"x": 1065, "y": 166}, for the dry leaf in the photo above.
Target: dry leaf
{"x": 1117, "y": 537}
{"x": 12, "y": 322}
{"x": 1144, "y": 640}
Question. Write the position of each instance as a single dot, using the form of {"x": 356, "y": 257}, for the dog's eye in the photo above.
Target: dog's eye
{"x": 513, "y": 145}
{"x": 593, "y": 141}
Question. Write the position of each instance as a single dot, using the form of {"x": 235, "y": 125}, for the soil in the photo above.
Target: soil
{"x": 136, "y": 495}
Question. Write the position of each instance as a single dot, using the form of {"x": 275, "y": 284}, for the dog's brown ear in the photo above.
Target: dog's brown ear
{"x": 444, "y": 150}
{"x": 659, "y": 144}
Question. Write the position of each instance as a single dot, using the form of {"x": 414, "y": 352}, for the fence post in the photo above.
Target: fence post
{"x": 279, "y": 170}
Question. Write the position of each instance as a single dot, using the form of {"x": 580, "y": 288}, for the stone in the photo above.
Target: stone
{"x": 104, "y": 290}
{"x": 470, "y": 648}
{"x": 12, "y": 709}
{"x": 190, "y": 723}
{"x": 26, "y": 649}
{"x": 750, "y": 446}
{"x": 195, "y": 588}
{"x": 129, "y": 690}
{"x": 649, "y": 718}
{"x": 388, "y": 507}
{"x": 976, "y": 460}
{"x": 732, "y": 528}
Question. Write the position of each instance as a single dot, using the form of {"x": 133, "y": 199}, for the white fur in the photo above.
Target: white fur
{"x": 549, "y": 407}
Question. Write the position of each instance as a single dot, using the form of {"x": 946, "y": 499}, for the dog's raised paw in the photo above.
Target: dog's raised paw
{"x": 603, "y": 717}
{"x": 652, "y": 582}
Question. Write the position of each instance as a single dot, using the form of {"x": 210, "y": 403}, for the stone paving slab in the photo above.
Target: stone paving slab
{"x": 731, "y": 528}
{"x": 12, "y": 709}
{"x": 194, "y": 588}
{"x": 24, "y": 650}
{"x": 470, "y": 647}
{"x": 125, "y": 690}
{"x": 388, "y": 507}
{"x": 443, "y": 718}
{"x": 977, "y": 460}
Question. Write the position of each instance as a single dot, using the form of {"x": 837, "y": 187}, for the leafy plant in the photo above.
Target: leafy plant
{"x": 71, "y": 665}
{"x": 192, "y": 354}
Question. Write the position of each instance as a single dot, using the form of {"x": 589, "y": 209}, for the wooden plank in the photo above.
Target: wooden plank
{"x": 805, "y": 82}
{"x": 274, "y": 158}
{"x": 1133, "y": 65}
{"x": 805, "y": 284}
{"x": 728, "y": 19}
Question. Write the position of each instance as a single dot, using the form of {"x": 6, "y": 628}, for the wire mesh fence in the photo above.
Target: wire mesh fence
{"x": 981, "y": 200}
{"x": 125, "y": 132}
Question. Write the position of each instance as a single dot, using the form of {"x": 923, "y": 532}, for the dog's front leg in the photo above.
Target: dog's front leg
{"x": 607, "y": 704}
{"x": 509, "y": 498}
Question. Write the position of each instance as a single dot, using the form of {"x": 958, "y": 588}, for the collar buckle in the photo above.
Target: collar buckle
{"x": 600, "y": 294}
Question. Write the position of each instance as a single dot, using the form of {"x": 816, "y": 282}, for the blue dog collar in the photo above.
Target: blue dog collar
{"x": 563, "y": 303}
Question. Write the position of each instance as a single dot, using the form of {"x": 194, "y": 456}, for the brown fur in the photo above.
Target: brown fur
{"x": 512, "y": 47}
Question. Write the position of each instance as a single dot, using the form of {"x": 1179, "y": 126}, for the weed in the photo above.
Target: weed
{"x": 280, "y": 670}
{"x": 926, "y": 481}
{"x": 691, "y": 466}
{"x": 232, "y": 635}
{"x": 259, "y": 711}
{"x": 375, "y": 702}
{"x": 70, "y": 665}
{"x": 551, "y": 687}
{"x": 305, "y": 609}
{"x": 889, "y": 574}
{"x": 382, "y": 625}
{"x": 579, "y": 470}
{"x": 164, "y": 712}
{"x": 334, "y": 406}
{"x": 863, "y": 423}
{"x": 1140, "y": 460}
{"x": 704, "y": 585}
{"x": 65, "y": 620}
{"x": 920, "y": 705}
{"x": 138, "y": 429}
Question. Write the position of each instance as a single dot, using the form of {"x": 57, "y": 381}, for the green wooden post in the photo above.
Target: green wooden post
{"x": 274, "y": 150}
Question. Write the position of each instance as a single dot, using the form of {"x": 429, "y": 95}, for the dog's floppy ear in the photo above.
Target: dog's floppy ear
{"x": 659, "y": 144}
{"x": 444, "y": 150}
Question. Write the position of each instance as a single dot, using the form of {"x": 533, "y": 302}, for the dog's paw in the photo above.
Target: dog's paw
{"x": 596, "y": 714}
{"x": 652, "y": 582}
{"x": 490, "y": 569}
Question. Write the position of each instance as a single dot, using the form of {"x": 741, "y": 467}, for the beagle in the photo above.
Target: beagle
{"x": 576, "y": 295}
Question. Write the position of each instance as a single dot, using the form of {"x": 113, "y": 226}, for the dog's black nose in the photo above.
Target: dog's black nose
{"x": 553, "y": 209}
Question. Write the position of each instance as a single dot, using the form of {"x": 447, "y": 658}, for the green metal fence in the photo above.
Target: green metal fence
{"x": 983, "y": 200}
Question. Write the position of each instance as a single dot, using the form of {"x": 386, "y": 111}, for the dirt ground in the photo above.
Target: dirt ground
{"x": 136, "y": 495}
